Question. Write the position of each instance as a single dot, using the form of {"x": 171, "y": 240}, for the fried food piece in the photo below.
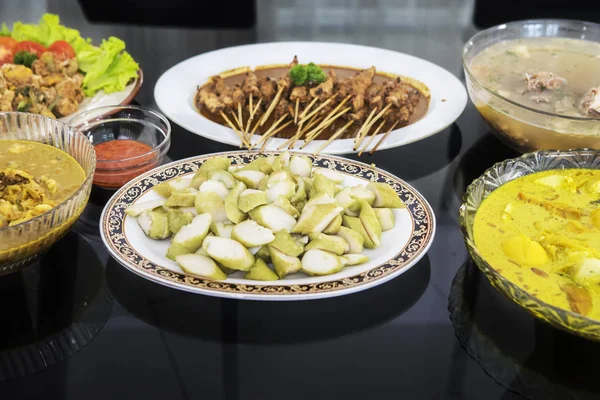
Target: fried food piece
{"x": 70, "y": 88}
{"x": 250, "y": 85}
{"x": 19, "y": 76}
{"x": 207, "y": 97}
{"x": 6, "y": 99}
{"x": 44, "y": 65}
{"x": 49, "y": 94}
{"x": 52, "y": 79}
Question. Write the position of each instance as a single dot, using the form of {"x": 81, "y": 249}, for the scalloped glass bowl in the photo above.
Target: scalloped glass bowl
{"x": 495, "y": 177}
{"x": 20, "y": 244}
{"x": 520, "y": 127}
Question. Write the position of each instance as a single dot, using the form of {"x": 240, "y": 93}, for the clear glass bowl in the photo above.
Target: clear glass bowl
{"x": 497, "y": 176}
{"x": 130, "y": 123}
{"x": 21, "y": 243}
{"x": 521, "y": 127}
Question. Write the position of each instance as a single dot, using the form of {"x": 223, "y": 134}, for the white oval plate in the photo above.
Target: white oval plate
{"x": 102, "y": 99}
{"x": 175, "y": 90}
{"x": 401, "y": 247}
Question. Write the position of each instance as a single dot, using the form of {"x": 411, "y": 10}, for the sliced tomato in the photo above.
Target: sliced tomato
{"x": 62, "y": 49}
{"x": 31, "y": 47}
{"x": 7, "y": 49}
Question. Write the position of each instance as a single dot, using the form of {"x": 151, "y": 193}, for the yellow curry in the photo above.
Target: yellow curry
{"x": 34, "y": 178}
{"x": 542, "y": 232}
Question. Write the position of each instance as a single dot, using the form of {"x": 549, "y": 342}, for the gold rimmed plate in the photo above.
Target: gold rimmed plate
{"x": 401, "y": 247}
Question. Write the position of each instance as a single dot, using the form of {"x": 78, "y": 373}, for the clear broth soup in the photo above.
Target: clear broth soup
{"x": 557, "y": 75}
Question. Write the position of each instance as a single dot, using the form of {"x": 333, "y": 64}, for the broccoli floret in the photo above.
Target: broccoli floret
{"x": 315, "y": 74}
{"x": 24, "y": 57}
{"x": 310, "y": 74}
{"x": 298, "y": 74}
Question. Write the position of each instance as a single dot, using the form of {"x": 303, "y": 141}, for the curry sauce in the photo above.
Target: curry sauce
{"x": 542, "y": 232}
{"x": 34, "y": 178}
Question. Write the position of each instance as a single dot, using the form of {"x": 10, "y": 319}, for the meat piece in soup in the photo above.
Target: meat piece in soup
{"x": 556, "y": 75}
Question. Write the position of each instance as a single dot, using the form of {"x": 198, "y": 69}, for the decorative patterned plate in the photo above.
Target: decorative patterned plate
{"x": 401, "y": 247}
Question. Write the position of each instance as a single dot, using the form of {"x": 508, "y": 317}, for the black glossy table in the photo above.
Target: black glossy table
{"x": 77, "y": 325}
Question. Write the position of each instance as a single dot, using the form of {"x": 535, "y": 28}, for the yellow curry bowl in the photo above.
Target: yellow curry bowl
{"x": 22, "y": 240}
{"x": 501, "y": 173}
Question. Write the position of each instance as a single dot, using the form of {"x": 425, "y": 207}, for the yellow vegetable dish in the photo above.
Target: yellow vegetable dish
{"x": 34, "y": 178}
{"x": 542, "y": 232}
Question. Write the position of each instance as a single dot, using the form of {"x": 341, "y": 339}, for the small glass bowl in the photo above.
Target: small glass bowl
{"x": 492, "y": 179}
{"x": 141, "y": 124}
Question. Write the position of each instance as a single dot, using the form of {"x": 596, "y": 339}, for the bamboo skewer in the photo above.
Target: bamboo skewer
{"x": 383, "y": 138}
{"x": 371, "y": 123}
{"x": 333, "y": 137}
{"x": 302, "y": 130}
{"x": 234, "y": 129}
{"x": 272, "y": 106}
{"x": 326, "y": 122}
{"x": 296, "y": 110}
{"x": 308, "y": 107}
{"x": 262, "y": 149}
{"x": 312, "y": 135}
{"x": 375, "y": 133}
{"x": 251, "y": 119}
{"x": 364, "y": 125}
{"x": 336, "y": 109}
{"x": 316, "y": 110}
{"x": 273, "y": 126}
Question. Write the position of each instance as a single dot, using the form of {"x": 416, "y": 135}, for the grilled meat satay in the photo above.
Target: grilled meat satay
{"x": 300, "y": 93}
{"x": 375, "y": 95}
{"x": 238, "y": 96}
{"x": 268, "y": 89}
{"x": 359, "y": 116}
{"x": 208, "y": 98}
{"x": 281, "y": 108}
{"x": 325, "y": 89}
{"x": 250, "y": 85}
{"x": 224, "y": 92}
{"x": 284, "y": 82}
{"x": 402, "y": 93}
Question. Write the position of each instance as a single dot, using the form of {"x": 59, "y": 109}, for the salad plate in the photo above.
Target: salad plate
{"x": 401, "y": 247}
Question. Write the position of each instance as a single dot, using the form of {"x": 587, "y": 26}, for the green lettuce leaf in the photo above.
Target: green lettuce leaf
{"x": 4, "y": 31}
{"x": 116, "y": 77}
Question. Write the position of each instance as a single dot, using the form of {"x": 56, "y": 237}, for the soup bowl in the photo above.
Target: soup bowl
{"x": 492, "y": 179}
{"x": 521, "y": 127}
{"x": 21, "y": 243}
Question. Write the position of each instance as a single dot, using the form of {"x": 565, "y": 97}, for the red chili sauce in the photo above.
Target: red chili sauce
{"x": 112, "y": 173}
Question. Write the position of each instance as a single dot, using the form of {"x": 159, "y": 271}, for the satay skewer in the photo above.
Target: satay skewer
{"x": 251, "y": 119}
{"x": 303, "y": 129}
{"x": 315, "y": 133}
{"x": 334, "y": 136}
{"x": 337, "y": 108}
{"x": 272, "y": 106}
{"x": 326, "y": 121}
{"x": 308, "y": 107}
{"x": 383, "y": 138}
{"x": 273, "y": 126}
{"x": 375, "y": 133}
{"x": 316, "y": 110}
{"x": 364, "y": 124}
{"x": 371, "y": 123}
{"x": 296, "y": 110}
{"x": 234, "y": 129}
{"x": 275, "y": 132}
